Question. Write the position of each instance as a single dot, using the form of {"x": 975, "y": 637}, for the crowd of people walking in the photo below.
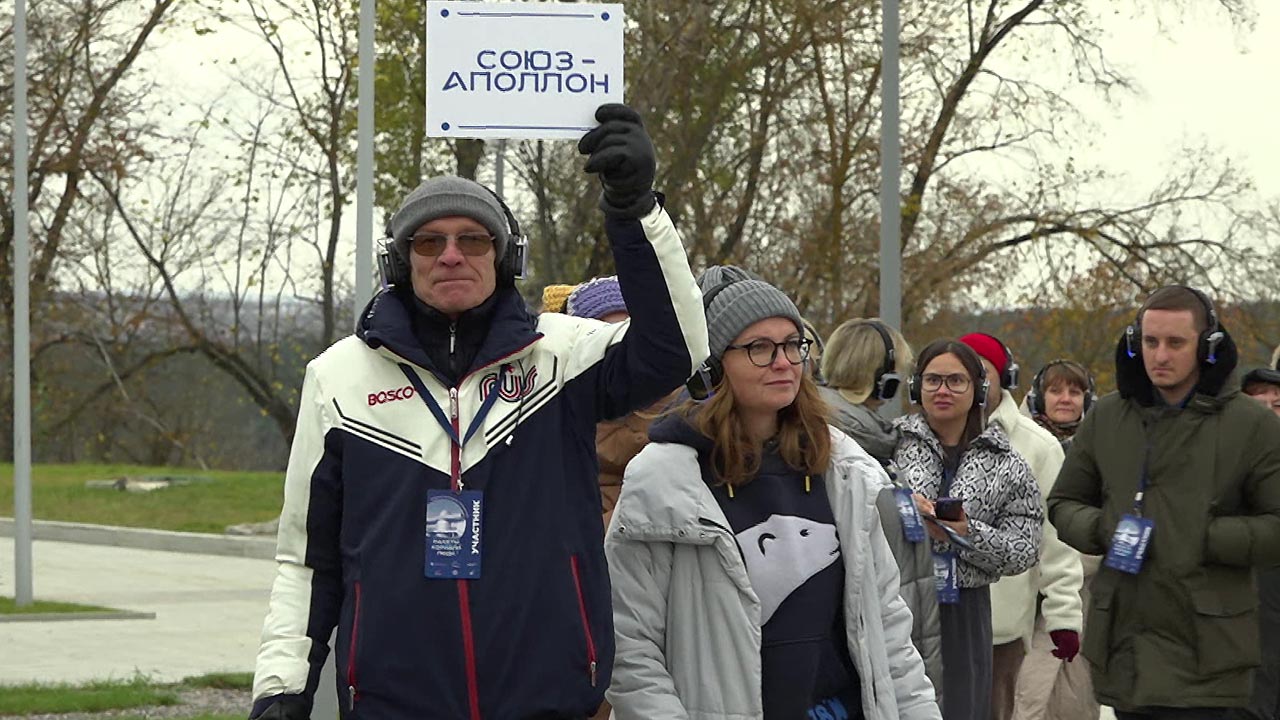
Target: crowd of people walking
{"x": 667, "y": 497}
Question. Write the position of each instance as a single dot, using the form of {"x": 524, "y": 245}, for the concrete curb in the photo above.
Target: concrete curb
{"x": 55, "y": 616}
{"x": 260, "y": 548}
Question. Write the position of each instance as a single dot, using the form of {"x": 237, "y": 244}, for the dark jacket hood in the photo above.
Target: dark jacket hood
{"x": 1211, "y": 392}
{"x": 388, "y": 321}
{"x": 676, "y": 428}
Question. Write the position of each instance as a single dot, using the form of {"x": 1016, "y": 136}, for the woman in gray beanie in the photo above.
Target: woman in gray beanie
{"x": 750, "y": 574}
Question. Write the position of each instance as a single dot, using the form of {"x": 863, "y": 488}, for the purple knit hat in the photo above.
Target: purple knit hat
{"x": 596, "y": 298}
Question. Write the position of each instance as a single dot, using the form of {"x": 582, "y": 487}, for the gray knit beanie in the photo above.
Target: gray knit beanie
{"x": 720, "y": 274}
{"x": 448, "y": 196}
{"x": 740, "y": 305}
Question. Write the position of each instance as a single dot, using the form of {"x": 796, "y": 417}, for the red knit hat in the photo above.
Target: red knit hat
{"x": 989, "y": 348}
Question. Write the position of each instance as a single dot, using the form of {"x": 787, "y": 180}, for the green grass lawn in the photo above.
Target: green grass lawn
{"x": 59, "y": 493}
{"x": 93, "y": 697}
{"x": 240, "y": 716}
{"x": 9, "y": 607}
{"x": 40, "y": 699}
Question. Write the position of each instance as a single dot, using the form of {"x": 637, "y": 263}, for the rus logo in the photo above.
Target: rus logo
{"x": 387, "y": 396}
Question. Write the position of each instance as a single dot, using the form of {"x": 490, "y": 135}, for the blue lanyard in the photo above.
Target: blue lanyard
{"x": 1144, "y": 476}
{"x": 445, "y": 421}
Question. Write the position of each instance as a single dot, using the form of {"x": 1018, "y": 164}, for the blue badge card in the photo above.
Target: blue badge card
{"x": 912, "y": 525}
{"x": 1129, "y": 544}
{"x": 453, "y": 534}
{"x": 945, "y": 576}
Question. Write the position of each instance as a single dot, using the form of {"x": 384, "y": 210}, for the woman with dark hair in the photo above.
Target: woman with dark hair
{"x": 751, "y": 577}
{"x": 982, "y": 511}
{"x": 1060, "y": 394}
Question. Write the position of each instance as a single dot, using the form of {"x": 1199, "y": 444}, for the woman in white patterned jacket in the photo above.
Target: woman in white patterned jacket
{"x": 989, "y": 527}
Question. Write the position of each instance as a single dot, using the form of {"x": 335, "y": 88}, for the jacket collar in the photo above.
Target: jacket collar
{"x": 992, "y": 438}
{"x": 386, "y": 325}
{"x": 1211, "y": 393}
{"x": 1006, "y": 414}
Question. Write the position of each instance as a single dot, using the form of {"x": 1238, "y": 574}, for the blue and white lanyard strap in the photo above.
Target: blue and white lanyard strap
{"x": 446, "y": 421}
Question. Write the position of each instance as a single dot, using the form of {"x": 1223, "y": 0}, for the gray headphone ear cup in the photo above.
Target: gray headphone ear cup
{"x": 704, "y": 381}
{"x": 394, "y": 267}
{"x": 981, "y": 397}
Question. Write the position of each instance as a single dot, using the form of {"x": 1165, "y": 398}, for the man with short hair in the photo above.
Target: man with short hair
{"x": 1176, "y": 479}
{"x": 441, "y": 507}
{"x": 1059, "y": 575}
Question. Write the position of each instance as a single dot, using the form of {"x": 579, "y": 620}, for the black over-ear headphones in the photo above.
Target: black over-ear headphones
{"x": 708, "y": 375}
{"x": 396, "y": 271}
{"x": 1035, "y": 395}
{"x": 916, "y": 381}
{"x": 887, "y": 379}
{"x": 1207, "y": 343}
{"x": 1008, "y": 378}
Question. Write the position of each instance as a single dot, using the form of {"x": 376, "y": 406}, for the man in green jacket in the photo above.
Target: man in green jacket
{"x": 1176, "y": 478}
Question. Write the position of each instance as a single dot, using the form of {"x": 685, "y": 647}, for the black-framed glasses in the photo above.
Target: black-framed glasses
{"x": 955, "y": 382}
{"x": 432, "y": 244}
{"x": 763, "y": 352}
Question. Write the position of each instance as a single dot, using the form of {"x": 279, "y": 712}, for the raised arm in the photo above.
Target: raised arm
{"x": 666, "y": 339}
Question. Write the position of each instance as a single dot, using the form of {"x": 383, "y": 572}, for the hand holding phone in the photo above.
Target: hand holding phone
{"x": 948, "y": 508}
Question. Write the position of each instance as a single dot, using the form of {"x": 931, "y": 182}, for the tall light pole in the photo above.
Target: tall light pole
{"x": 364, "y": 160}
{"x": 21, "y": 319}
{"x": 890, "y": 179}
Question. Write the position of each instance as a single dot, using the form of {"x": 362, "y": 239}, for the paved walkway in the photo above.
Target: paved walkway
{"x": 208, "y": 609}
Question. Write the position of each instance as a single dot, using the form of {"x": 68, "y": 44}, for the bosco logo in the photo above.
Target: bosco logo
{"x": 387, "y": 396}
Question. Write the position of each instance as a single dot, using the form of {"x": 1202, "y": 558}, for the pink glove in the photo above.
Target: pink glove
{"x": 1066, "y": 644}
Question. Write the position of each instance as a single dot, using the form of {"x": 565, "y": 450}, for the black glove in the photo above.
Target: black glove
{"x": 288, "y": 707}
{"x": 622, "y": 153}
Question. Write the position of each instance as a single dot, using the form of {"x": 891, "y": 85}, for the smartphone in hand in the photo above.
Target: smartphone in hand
{"x": 948, "y": 508}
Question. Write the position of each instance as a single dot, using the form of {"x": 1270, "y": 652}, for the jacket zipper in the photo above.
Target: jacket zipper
{"x": 586, "y": 624}
{"x": 351, "y": 653}
{"x": 464, "y": 596}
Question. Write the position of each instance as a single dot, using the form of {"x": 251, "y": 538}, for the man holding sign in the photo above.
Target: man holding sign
{"x": 441, "y": 507}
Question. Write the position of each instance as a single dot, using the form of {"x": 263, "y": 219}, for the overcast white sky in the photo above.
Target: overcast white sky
{"x": 1201, "y": 80}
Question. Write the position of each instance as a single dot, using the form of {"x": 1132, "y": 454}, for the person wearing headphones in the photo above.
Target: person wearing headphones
{"x": 440, "y": 504}
{"x": 982, "y": 510}
{"x": 863, "y": 361}
{"x": 1058, "y": 576}
{"x": 1059, "y": 396}
{"x": 1176, "y": 479}
{"x": 751, "y": 579}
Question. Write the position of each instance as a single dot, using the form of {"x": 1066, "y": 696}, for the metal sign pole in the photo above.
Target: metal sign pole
{"x": 890, "y": 180}
{"x": 21, "y": 319}
{"x": 364, "y": 161}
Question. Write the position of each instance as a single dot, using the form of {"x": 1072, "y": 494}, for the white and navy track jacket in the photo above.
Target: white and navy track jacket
{"x": 533, "y": 636}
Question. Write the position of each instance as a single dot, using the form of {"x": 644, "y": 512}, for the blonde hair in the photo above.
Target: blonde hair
{"x": 855, "y": 352}
{"x": 804, "y": 440}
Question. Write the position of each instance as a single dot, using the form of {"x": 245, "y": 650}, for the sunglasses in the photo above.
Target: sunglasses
{"x": 433, "y": 244}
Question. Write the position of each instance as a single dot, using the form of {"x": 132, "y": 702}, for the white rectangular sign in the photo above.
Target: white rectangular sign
{"x": 520, "y": 70}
